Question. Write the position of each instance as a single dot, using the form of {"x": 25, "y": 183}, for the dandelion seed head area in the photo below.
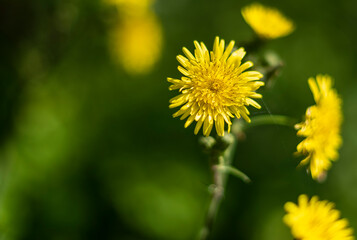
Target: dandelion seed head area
{"x": 321, "y": 127}
{"x": 316, "y": 220}
{"x": 267, "y": 22}
{"x": 215, "y": 87}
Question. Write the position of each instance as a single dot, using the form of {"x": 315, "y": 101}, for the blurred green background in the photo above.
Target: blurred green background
{"x": 91, "y": 151}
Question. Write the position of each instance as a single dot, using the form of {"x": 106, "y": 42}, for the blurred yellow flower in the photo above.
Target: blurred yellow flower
{"x": 132, "y": 7}
{"x": 316, "y": 220}
{"x": 267, "y": 22}
{"x": 136, "y": 43}
{"x": 321, "y": 127}
{"x": 214, "y": 87}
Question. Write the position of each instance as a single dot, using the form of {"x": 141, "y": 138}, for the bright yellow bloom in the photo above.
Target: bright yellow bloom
{"x": 215, "y": 86}
{"x": 136, "y": 43}
{"x": 321, "y": 127}
{"x": 267, "y": 22}
{"x": 316, "y": 220}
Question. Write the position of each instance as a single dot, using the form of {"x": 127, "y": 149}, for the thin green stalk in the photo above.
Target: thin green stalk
{"x": 222, "y": 150}
{"x": 235, "y": 172}
{"x": 270, "y": 120}
{"x": 220, "y": 160}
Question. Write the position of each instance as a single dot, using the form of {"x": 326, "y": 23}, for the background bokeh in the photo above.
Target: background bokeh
{"x": 89, "y": 150}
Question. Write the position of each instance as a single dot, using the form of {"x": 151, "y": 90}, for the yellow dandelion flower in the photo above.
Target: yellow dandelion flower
{"x": 316, "y": 220}
{"x": 215, "y": 86}
{"x": 321, "y": 127}
{"x": 136, "y": 43}
{"x": 267, "y": 22}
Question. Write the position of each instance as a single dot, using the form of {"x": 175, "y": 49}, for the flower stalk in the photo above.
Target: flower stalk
{"x": 221, "y": 154}
{"x": 270, "y": 120}
{"x": 221, "y": 151}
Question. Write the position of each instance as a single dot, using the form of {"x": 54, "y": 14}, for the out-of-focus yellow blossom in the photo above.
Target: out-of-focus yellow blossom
{"x": 134, "y": 3}
{"x": 215, "y": 86}
{"x": 267, "y": 22}
{"x": 321, "y": 127}
{"x": 316, "y": 220}
{"x": 131, "y": 7}
{"x": 136, "y": 43}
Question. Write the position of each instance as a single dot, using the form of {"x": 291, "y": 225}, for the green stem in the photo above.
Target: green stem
{"x": 271, "y": 119}
{"x": 220, "y": 159}
{"x": 235, "y": 172}
{"x": 221, "y": 150}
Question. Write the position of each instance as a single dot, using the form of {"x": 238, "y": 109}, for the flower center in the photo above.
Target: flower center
{"x": 215, "y": 85}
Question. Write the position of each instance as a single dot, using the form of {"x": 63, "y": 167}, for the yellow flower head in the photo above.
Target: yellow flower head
{"x": 215, "y": 86}
{"x": 136, "y": 43}
{"x": 321, "y": 127}
{"x": 316, "y": 220}
{"x": 267, "y": 23}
